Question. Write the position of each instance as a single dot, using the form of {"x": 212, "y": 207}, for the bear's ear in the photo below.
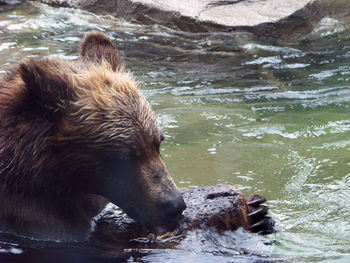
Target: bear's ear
{"x": 96, "y": 47}
{"x": 46, "y": 82}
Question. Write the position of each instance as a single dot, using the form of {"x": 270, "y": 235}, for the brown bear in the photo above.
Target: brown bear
{"x": 74, "y": 136}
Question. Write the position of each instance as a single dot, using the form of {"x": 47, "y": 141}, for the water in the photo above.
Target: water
{"x": 271, "y": 118}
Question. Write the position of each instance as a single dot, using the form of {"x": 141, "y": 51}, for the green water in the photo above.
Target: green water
{"x": 271, "y": 118}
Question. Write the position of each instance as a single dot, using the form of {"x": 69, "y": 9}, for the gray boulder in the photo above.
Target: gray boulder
{"x": 279, "y": 19}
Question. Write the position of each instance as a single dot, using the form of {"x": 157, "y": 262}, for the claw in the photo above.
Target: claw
{"x": 262, "y": 211}
{"x": 264, "y": 226}
{"x": 255, "y": 200}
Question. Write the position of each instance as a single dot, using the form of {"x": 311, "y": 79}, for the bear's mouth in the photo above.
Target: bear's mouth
{"x": 169, "y": 225}
{"x": 161, "y": 229}
{"x": 154, "y": 221}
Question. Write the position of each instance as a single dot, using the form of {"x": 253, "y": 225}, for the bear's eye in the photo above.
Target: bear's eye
{"x": 129, "y": 157}
{"x": 125, "y": 157}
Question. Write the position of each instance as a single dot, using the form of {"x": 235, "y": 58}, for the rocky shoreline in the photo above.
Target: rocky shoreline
{"x": 276, "y": 19}
{"x": 284, "y": 20}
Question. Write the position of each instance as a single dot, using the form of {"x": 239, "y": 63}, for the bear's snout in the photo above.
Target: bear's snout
{"x": 169, "y": 214}
{"x": 173, "y": 208}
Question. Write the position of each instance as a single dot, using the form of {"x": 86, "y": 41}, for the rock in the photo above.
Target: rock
{"x": 8, "y": 5}
{"x": 279, "y": 19}
{"x": 303, "y": 21}
{"x": 221, "y": 207}
{"x": 225, "y": 208}
{"x": 235, "y": 13}
{"x": 10, "y": 2}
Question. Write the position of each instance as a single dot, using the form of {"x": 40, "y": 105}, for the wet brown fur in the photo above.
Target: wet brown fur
{"x": 96, "y": 46}
{"x": 59, "y": 123}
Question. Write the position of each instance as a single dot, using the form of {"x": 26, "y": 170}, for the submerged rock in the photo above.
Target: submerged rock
{"x": 222, "y": 207}
{"x": 267, "y": 18}
{"x": 7, "y": 5}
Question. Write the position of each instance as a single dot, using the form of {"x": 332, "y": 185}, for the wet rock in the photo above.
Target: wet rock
{"x": 304, "y": 20}
{"x": 277, "y": 19}
{"x": 221, "y": 207}
{"x": 7, "y": 5}
{"x": 225, "y": 208}
{"x": 219, "y": 12}
{"x": 10, "y": 2}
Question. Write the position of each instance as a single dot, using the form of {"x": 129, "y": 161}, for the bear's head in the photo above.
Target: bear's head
{"x": 92, "y": 131}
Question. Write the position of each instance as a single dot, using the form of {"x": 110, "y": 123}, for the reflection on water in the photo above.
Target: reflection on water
{"x": 270, "y": 118}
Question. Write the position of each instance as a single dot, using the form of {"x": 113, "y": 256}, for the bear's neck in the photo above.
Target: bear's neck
{"x": 65, "y": 219}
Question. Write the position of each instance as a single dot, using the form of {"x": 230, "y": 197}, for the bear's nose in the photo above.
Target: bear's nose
{"x": 173, "y": 208}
